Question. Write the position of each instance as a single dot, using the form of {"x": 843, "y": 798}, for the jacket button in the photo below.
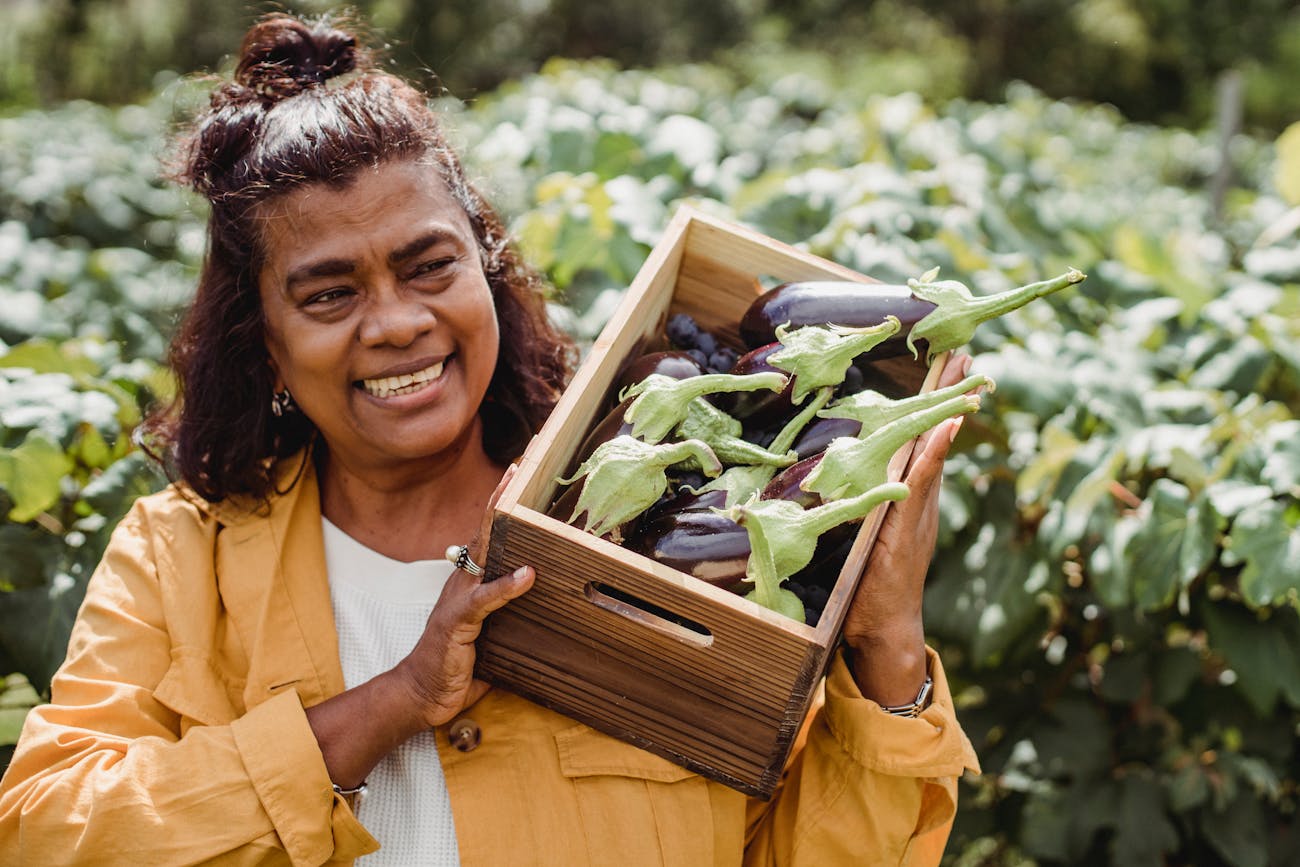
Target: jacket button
{"x": 464, "y": 734}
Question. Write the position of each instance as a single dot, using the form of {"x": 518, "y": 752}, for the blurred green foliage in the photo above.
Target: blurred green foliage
{"x": 1118, "y": 580}
{"x": 1156, "y": 60}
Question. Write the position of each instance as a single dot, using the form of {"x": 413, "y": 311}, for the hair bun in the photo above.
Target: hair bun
{"x": 282, "y": 56}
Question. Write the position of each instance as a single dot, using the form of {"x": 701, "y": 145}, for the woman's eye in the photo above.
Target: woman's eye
{"x": 433, "y": 266}
{"x": 326, "y": 297}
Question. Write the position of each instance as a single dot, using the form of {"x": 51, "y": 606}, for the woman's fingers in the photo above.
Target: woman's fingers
{"x": 491, "y": 595}
{"x": 478, "y": 545}
{"x": 954, "y": 371}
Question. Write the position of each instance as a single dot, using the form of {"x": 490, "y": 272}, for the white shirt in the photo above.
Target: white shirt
{"x": 380, "y": 609}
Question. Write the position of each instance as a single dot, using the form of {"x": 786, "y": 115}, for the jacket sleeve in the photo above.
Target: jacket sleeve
{"x": 865, "y": 787}
{"x": 104, "y": 774}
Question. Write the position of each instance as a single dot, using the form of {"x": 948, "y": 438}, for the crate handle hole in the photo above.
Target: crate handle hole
{"x": 647, "y": 614}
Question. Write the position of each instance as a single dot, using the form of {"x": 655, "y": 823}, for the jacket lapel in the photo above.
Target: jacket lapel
{"x": 271, "y": 571}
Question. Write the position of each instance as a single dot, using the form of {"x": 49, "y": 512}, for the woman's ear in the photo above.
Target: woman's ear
{"x": 277, "y": 382}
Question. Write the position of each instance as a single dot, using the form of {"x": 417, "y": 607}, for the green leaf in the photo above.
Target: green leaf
{"x": 1143, "y": 834}
{"x": 1264, "y": 653}
{"x": 32, "y": 474}
{"x": 1188, "y": 787}
{"x": 1282, "y": 464}
{"x": 90, "y": 448}
{"x": 1238, "y": 833}
{"x": 1287, "y": 172}
{"x": 11, "y": 724}
{"x": 1073, "y": 740}
{"x": 1176, "y": 669}
{"x": 1231, "y": 496}
{"x": 1045, "y": 822}
{"x": 1123, "y": 677}
{"x": 16, "y": 691}
{"x": 43, "y": 356}
{"x": 1177, "y": 540}
{"x": 1108, "y": 566}
{"x": 1268, "y": 543}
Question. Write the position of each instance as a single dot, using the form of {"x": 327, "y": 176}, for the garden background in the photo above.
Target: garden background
{"x": 1115, "y": 593}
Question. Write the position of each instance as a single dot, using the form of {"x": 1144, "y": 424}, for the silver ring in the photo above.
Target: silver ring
{"x": 459, "y": 556}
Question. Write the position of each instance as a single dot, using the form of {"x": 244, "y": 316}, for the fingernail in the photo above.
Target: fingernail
{"x": 953, "y": 428}
{"x": 966, "y": 364}
{"x": 520, "y": 573}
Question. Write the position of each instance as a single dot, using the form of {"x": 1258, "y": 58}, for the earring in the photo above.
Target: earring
{"x": 282, "y": 403}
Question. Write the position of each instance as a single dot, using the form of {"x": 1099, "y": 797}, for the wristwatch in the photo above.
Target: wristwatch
{"x": 914, "y": 709}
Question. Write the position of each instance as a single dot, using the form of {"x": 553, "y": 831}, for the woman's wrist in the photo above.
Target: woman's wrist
{"x": 420, "y": 708}
{"x": 889, "y": 666}
{"x": 357, "y": 728}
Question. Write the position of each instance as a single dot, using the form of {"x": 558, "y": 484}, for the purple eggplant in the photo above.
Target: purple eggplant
{"x": 678, "y": 365}
{"x": 685, "y": 500}
{"x": 757, "y": 408}
{"x": 840, "y": 302}
{"x": 710, "y": 546}
{"x": 699, "y": 542}
{"x": 786, "y": 484}
{"x": 612, "y": 425}
{"x": 818, "y": 434}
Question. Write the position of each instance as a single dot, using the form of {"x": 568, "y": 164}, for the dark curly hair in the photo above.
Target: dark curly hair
{"x": 306, "y": 106}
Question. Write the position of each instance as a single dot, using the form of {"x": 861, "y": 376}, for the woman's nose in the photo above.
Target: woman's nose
{"x": 395, "y": 319}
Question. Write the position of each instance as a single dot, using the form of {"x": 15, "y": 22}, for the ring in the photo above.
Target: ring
{"x": 459, "y": 556}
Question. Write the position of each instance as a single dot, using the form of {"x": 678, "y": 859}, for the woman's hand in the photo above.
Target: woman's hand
{"x": 439, "y": 671}
{"x": 432, "y": 684}
{"x": 883, "y": 627}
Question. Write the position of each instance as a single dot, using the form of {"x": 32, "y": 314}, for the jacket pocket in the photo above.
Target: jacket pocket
{"x": 647, "y": 809}
{"x": 585, "y": 752}
{"x": 195, "y": 689}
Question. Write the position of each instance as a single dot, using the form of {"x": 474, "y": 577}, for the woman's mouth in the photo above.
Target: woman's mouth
{"x": 407, "y": 383}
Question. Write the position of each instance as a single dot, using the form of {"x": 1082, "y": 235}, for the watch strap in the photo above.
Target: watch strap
{"x": 913, "y": 709}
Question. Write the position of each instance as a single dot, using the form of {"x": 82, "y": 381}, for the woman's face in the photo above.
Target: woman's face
{"x": 379, "y": 319}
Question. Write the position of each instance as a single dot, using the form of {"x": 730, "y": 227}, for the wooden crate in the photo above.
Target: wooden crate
{"x": 600, "y": 636}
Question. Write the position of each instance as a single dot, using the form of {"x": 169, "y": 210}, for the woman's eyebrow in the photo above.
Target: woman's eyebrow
{"x": 323, "y": 268}
{"x": 418, "y": 246}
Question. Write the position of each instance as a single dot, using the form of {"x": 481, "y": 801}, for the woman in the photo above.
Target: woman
{"x": 276, "y": 632}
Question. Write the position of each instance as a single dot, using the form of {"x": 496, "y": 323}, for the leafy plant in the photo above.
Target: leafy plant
{"x": 1116, "y": 589}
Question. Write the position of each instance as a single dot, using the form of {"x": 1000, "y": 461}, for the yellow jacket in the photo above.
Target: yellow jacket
{"x": 177, "y": 735}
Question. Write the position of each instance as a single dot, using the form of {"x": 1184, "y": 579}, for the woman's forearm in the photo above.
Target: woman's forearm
{"x": 357, "y": 728}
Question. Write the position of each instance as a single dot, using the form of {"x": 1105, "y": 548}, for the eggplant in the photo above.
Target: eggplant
{"x": 757, "y": 408}
{"x": 786, "y": 484}
{"x": 839, "y": 302}
{"x": 700, "y": 542}
{"x": 677, "y": 364}
{"x": 710, "y": 546}
{"x": 684, "y": 500}
{"x": 818, "y": 435}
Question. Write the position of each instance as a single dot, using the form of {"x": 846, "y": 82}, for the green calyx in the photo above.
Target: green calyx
{"x": 957, "y": 312}
{"x": 625, "y": 476}
{"x": 851, "y": 465}
{"x": 662, "y": 402}
{"x": 707, "y": 423}
{"x": 875, "y": 410}
{"x": 741, "y": 482}
{"x": 817, "y": 357}
{"x": 783, "y": 538}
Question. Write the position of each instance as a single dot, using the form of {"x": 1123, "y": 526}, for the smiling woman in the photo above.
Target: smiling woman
{"x": 279, "y": 631}
{"x": 379, "y": 319}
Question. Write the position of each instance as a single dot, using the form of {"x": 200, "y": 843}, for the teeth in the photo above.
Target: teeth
{"x": 389, "y": 386}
